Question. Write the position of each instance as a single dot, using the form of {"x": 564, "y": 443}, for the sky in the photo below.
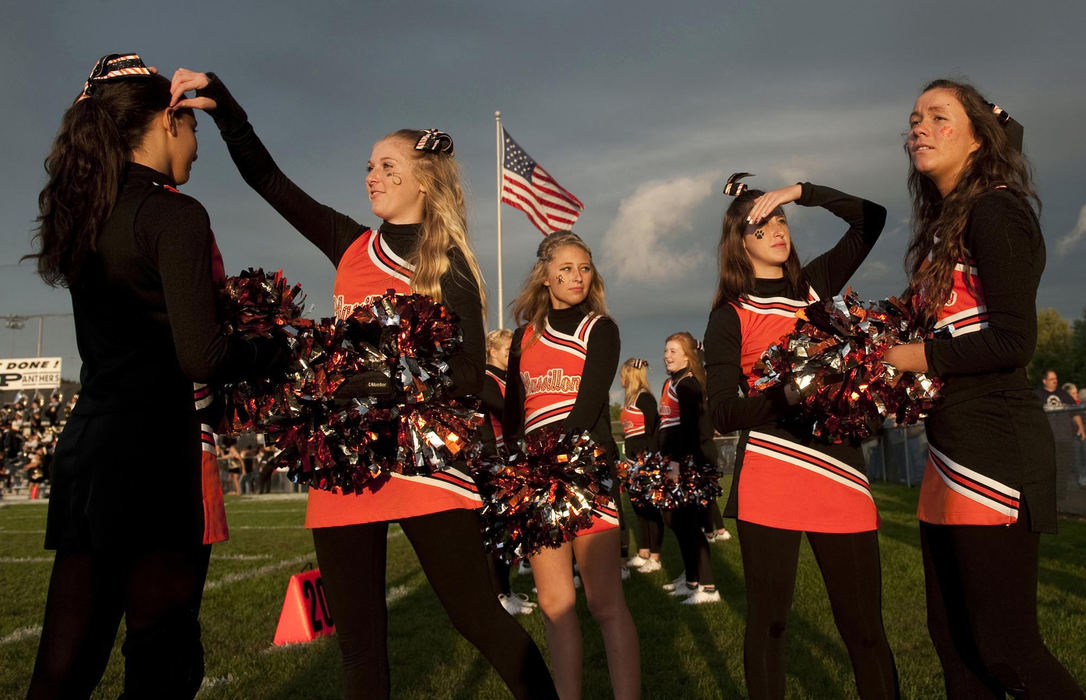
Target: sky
{"x": 640, "y": 109}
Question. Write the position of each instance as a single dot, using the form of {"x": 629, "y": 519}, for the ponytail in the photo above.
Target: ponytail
{"x": 86, "y": 168}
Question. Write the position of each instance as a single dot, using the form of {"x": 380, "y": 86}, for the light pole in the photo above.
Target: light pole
{"x": 17, "y": 321}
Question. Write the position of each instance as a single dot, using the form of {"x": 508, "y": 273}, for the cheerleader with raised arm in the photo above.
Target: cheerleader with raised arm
{"x": 786, "y": 482}
{"x": 640, "y": 422}
{"x": 422, "y": 247}
{"x": 989, "y": 487}
{"x": 564, "y": 332}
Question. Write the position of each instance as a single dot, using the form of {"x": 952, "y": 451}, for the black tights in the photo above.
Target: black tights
{"x": 159, "y": 594}
{"x": 650, "y": 528}
{"x": 981, "y": 584}
{"x": 449, "y": 548}
{"x": 851, "y": 571}
{"x": 686, "y": 523}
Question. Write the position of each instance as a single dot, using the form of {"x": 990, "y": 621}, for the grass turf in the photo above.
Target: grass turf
{"x": 686, "y": 651}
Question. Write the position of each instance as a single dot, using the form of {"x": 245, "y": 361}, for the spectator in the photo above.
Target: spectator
{"x": 1078, "y": 447}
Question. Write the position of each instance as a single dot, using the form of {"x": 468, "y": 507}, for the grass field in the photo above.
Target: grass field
{"x": 687, "y": 652}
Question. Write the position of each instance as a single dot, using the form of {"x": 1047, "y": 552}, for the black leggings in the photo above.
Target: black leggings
{"x": 449, "y": 548}
{"x": 650, "y": 528}
{"x": 159, "y": 594}
{"x": 981, "y": 584}
{"x": 851, "y": 571}
{"x": 686, "y": 523}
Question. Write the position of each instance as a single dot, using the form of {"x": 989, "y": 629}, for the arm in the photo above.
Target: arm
{"x": 326, "y": 228}
{"x": 513, "y": 415}
{"x": 829, "y": 272}
{"x": 728, "y": 409}
{"x": 647, "y": 404}
{"x": 600, "y": 365}
{"x": 1008, "y": 252}
{"x": 461, "y": 295}
{"x": 181, "y": 243}
{"x": 491, "y": 395}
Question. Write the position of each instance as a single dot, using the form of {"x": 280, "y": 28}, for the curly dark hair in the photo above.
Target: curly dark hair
{"x": 939, "y": 223}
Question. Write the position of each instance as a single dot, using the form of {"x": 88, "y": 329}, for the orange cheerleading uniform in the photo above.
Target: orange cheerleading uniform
{"x": 561, "y": 377}
{"x": 785, "y": 478}
{"x": 990, "y": 445}
{"x": 640, "y": 421}
{"x": 369, "y": 267}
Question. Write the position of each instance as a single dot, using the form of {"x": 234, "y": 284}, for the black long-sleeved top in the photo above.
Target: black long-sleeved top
{"x": 591, "y": 410}
{"x": 730, "y": 408}
{"x": 145, "y": 311}
{"x": 693, "y": 435}
{"x": 493, "y": 404}
{"x": 333, "y": 232}
{"x": 989, "y": 420}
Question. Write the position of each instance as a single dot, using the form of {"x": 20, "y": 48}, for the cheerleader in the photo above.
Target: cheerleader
{"x": 490, "y": 433}
{"x": 639, "y": 424}
{"x": 562, "y": 362}
{"x": 136, "y": 500}
{"x": 685, "y": 431}
{"x": 422, "y": 247}
{"x": 989, "y": 486}
{"x": 787, "y": 483}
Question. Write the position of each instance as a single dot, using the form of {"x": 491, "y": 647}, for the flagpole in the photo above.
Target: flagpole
{"x": 498, "y": 138}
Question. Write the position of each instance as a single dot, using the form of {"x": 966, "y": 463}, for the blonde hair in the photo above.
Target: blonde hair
{"x": 495, "y": 339}
{"x": 444, "y": 219}
{"x": 634, "y": 379}
{"x": 533, "y": 303}
{"x": 693, "y": 357}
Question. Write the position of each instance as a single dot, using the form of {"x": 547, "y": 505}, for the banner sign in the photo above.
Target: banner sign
{"x": 21, "y": 373}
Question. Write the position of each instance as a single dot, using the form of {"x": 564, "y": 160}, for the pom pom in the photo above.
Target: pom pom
{"x": 328, "y": 441}
{"x": 543, "y": 492}
{"x": 834, "y": 360}
{"x": 648, "y": 482}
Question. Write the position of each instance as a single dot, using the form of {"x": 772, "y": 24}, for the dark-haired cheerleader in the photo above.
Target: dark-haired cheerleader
{"x": 414, "y": 186}
{"x": 131, "y": 522}
{"x": 989, "y": 487}
{"x": 786, "y": 483}
{"x": 561, "y": 365}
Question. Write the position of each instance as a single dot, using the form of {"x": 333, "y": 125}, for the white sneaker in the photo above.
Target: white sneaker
{"x": 625, "y": 572}
{"x": 636, "y": 560}
{"x": 516, "y": 603}
{"x": 683, "y": 591}
{"x": 509, "y": 603}
{"x": 677, "y": 583}
{"x": 723, "y": 535}
{"x": 576, "y": 581}
{"x": 649, "y": 566}
{"x": 524, "y": 567}
{"x": 701, "y": 596}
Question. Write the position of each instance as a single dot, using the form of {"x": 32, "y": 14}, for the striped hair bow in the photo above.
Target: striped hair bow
{"x": 639, "y": 363}
{"x": 112, "y": 67}
{"x": 434, "y": 141}
{"x": 735, "y": 188}
{"x": 1015, "y": 132}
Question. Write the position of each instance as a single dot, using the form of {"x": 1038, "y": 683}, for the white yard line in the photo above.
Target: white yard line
{"x": 25, "y": 560}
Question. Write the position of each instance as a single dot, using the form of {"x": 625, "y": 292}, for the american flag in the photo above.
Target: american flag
{"x": 530, "y": 188}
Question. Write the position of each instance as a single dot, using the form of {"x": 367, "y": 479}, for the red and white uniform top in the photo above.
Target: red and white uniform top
{"x": 952, "y": 493}
{"x": 368, "y": 269}
{"x": 786, "y": 481}
{"x": 551, "y": 368}
{"x": 669, "y": 406}
{"x": 633, "y": 421}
